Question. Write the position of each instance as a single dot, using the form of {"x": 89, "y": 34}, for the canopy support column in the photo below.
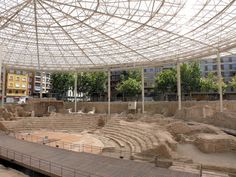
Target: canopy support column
{"x": 179, "y": 86}
{"x": 219, "y": 80}
{"x": 143, "y": 102}
{"x": 41, "y": 85}
{"x": 109, "y": 92}
{"x": 3, "y": 84}
{"x": 75, "y": 90}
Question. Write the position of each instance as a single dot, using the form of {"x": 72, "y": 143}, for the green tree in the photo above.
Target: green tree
{"x": 83, "y": 83}
{"x": 61, "y": 83}
{"x": 211, "y": 83}
{"x": 232, "y": 83}
{"x": 92, "y": 84}
{"x": 130, "y": 85}
{"x": 134, "y": 74}
{"x": 166, "y": 81}
{"x": 97, "y": 85}
{"x": 190, "y": 77}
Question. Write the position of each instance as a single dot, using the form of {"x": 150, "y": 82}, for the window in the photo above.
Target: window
{"x": 11, "y": 78}
{"x": 24, "y": 79}
{"x": 17, "y": 78}
{"x": 234, "y": 66}
{"x": 18, "y": 72}
{"x": 23, "y": 86}
{"x": 17, "y": 85}
{"x": 11, "y": 71}
{"x": 10, "y": 84}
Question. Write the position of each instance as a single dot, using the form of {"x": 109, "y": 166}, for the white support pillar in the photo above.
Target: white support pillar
{"x": 41, "y": 85}
{"x": 179, "y": 86}
{"x": 109, "y": 92}
{"x": 219, "y": 81}
{"x": 3, "y": 85}
{"x": 143, "y": 101}
{"x": 75, "y": 91}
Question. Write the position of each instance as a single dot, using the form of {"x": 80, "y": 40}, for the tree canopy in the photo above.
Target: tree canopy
{"x": 232, "y": 83}
{"x": 92, "y": 83}
{"x": 190, "y": 77}
{"x": 210, "y": 83}
{"x": 61, "y": 83}
{"x": 166, "y": 81}
{"x": 130, "y": 85}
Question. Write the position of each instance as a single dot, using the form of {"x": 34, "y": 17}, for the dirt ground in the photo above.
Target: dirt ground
{"x": 8, "y": 172}
{"x": 226, "y": 159}
{"x": 71, "y": 141}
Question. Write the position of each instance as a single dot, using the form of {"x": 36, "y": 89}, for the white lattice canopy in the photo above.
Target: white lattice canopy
{"x": 99, "y": 34}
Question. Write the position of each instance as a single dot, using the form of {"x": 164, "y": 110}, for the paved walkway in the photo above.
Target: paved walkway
{"x": 59, "y": 162}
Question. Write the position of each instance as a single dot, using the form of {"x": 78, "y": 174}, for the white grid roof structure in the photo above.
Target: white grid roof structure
{"x": 100, "y": 34}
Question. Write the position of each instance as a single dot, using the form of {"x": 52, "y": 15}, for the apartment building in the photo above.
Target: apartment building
{"x": 19, "y": 83}
{"x": 228, "y": 70}
{"x": 228, "y": 67}
{"x": 46, "y": 82}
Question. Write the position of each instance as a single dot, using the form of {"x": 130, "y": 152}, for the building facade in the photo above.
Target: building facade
{"x": 228, "y": 67}
{"x": 19, "y": 83}
{"x": 46, "y": 82}
{"x": 228, "y": 70}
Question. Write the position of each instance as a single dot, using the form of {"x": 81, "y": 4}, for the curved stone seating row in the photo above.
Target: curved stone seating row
{"x": 149, "y": 139}
{"x": 134, "y": 144}
{"x": 123, "y": 145}
{"x": 133, "y": 137}
{"x": 154, "y": 136}
{"x": 67, "y": 124}
{"x": 148, "y": 135}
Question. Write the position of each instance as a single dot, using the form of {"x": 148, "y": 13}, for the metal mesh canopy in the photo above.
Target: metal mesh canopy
{"x": 97, "y": 34}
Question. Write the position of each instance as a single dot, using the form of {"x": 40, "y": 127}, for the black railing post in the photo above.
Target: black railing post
{"x": 200, "y": 170}
{"x": 50, "y": 167}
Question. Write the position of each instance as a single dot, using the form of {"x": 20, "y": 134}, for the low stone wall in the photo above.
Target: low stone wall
{"x": 40, "y": 107}
{"x": 160, "y": 107}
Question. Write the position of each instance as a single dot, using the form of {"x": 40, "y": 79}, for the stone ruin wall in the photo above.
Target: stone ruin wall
{"x": 161, "y": 107}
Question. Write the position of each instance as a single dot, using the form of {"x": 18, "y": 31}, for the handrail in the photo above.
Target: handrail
{"x": 44, "y": 165}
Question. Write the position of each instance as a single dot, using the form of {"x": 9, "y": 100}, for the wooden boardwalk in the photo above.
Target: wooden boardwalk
{"x": 58, "y": 162}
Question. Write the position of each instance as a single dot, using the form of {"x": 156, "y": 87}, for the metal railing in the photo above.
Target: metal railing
{"x": 111, "y": 152}
{"x": 41, "y": 165}
{"x": 59, "y": 144}
{"x": 57, "y": 169}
